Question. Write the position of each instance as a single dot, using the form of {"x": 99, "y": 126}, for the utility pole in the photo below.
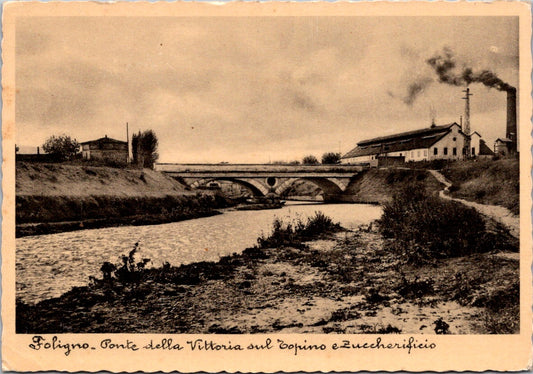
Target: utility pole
{"x": 128, "y": 160}
{"x": 466, "y": 128}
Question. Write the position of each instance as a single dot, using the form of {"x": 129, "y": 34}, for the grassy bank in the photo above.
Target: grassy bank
{"x": 486, "y": 182}
{"x": 305, "y": 277}
{"x": 422, "y": 229}
{"x": 427, "y": 226}
{"x": 36, "y": 179}
{"x": 54, "y": 198}
{"x": 379, "y": 185}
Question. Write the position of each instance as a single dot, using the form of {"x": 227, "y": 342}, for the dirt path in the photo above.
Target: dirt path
{"x": 497, "y": 213}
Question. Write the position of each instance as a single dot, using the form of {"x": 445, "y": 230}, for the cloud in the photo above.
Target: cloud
{"x": 240, "y": 87}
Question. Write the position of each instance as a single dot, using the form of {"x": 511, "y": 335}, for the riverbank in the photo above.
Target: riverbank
{"x": 323, "y": 281}
{"x": 486, "y": 182}
{"x": 497, "y": 213}
{"x": 378, "y": 186}
{"x": 29, "y": 229}
{"x": 52, "y": 198}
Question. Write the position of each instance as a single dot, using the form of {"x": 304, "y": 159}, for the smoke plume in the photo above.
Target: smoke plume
{"x": 414, "y": 89}
{"x": 445, "y": 65}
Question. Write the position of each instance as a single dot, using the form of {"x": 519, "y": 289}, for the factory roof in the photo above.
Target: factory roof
{"x": 417, "y": 139}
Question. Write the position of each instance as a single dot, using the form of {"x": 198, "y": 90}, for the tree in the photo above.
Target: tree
{"x": 331, "y": 158}
{"x": 309, "y": 160}
{"x": 149, "y": 145}
{"x": 135, "y": 148}
{"x": 62, "y": 147}
{"x": 144, "y": 148}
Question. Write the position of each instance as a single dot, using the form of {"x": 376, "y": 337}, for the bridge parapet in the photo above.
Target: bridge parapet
{"x": 257, "y": 168}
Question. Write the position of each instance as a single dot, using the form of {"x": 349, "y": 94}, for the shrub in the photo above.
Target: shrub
{"x": 316, "y": 225}
{"x": 288, "y": 234}
{"x": 441, "y": 228}
{"x": 379, "y": 329}
{"x": 310, "y": 160}
{"x": 128, "y": 271}
{"x": 441, "y": 327}
{"x": 416, "y": 288}
{"x": 331, "y": 158}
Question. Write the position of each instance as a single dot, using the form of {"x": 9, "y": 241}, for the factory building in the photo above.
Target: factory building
{"x": 447, "y": 142}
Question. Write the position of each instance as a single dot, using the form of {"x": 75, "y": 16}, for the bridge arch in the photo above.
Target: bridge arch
{"x": 330, "y": 186}
{"x": 256, "y": 187}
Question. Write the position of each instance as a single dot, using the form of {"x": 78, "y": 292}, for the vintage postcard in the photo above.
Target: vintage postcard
{"x": 265, "y": 187}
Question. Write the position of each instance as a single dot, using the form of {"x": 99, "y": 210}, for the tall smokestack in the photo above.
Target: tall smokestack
{"x": 511, "y": 132}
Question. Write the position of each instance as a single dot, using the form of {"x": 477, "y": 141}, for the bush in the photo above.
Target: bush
{"x": 127, "y": 272}
{"x": 310, "y": 160}
{"x": 416, "y": 288}
{"x": 331, "y": 158}
{"x": 285, "y": 235}
{"x": 441, "y": 228}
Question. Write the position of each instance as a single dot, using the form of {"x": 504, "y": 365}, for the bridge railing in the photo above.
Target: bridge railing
{"x": 198, "y": 168}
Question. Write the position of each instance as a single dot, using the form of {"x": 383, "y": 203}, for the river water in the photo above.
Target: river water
{"x": 49, "y": 265}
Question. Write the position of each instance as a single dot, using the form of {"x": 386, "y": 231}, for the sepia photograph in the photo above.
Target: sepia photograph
{"x": 298, "y": 175}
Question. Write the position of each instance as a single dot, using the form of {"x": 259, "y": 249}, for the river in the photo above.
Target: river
{"x": 49, "y": 265}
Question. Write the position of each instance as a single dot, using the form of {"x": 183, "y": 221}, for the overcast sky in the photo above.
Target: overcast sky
{"x": 253, "y": 89}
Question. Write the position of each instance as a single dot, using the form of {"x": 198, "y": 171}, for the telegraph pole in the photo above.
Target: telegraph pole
{"x": 128, "y": 139}
{"x": 466, "y": 128}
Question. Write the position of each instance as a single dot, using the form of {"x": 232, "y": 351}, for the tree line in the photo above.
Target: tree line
{"x": 328, "y": 158}
{"x": 144, "y": 150}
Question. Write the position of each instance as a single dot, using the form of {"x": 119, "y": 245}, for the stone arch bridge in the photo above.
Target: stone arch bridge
{"x": 265, "y": 179}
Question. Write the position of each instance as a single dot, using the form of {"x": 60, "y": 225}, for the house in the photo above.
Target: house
{"x": 435, "y": 142}
{"x": 105, "y": 149}
{"x": 503, "y": 146}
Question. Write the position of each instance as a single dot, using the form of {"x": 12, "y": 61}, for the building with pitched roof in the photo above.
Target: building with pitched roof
{"x": 105, "y": 149}
{"x": 503, "y": 146}
{"x": 436, "y": 142}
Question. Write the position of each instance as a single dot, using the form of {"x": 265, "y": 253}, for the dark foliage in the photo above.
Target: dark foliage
{"x": 128, "y": 271}
{"x": 425, "y": 227}
{"x": 292, "y": 235}
{"x": 144, "y": 149}
{"x": 416, "y": 288}
{"x": 61, "y": 147}
{"x": 68, "y": 213}
{"x": 331, "y": 158}
{"x": 441, "y": 327}
{"x": 70, "y": 208}
{"x": 310, "y": 160}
